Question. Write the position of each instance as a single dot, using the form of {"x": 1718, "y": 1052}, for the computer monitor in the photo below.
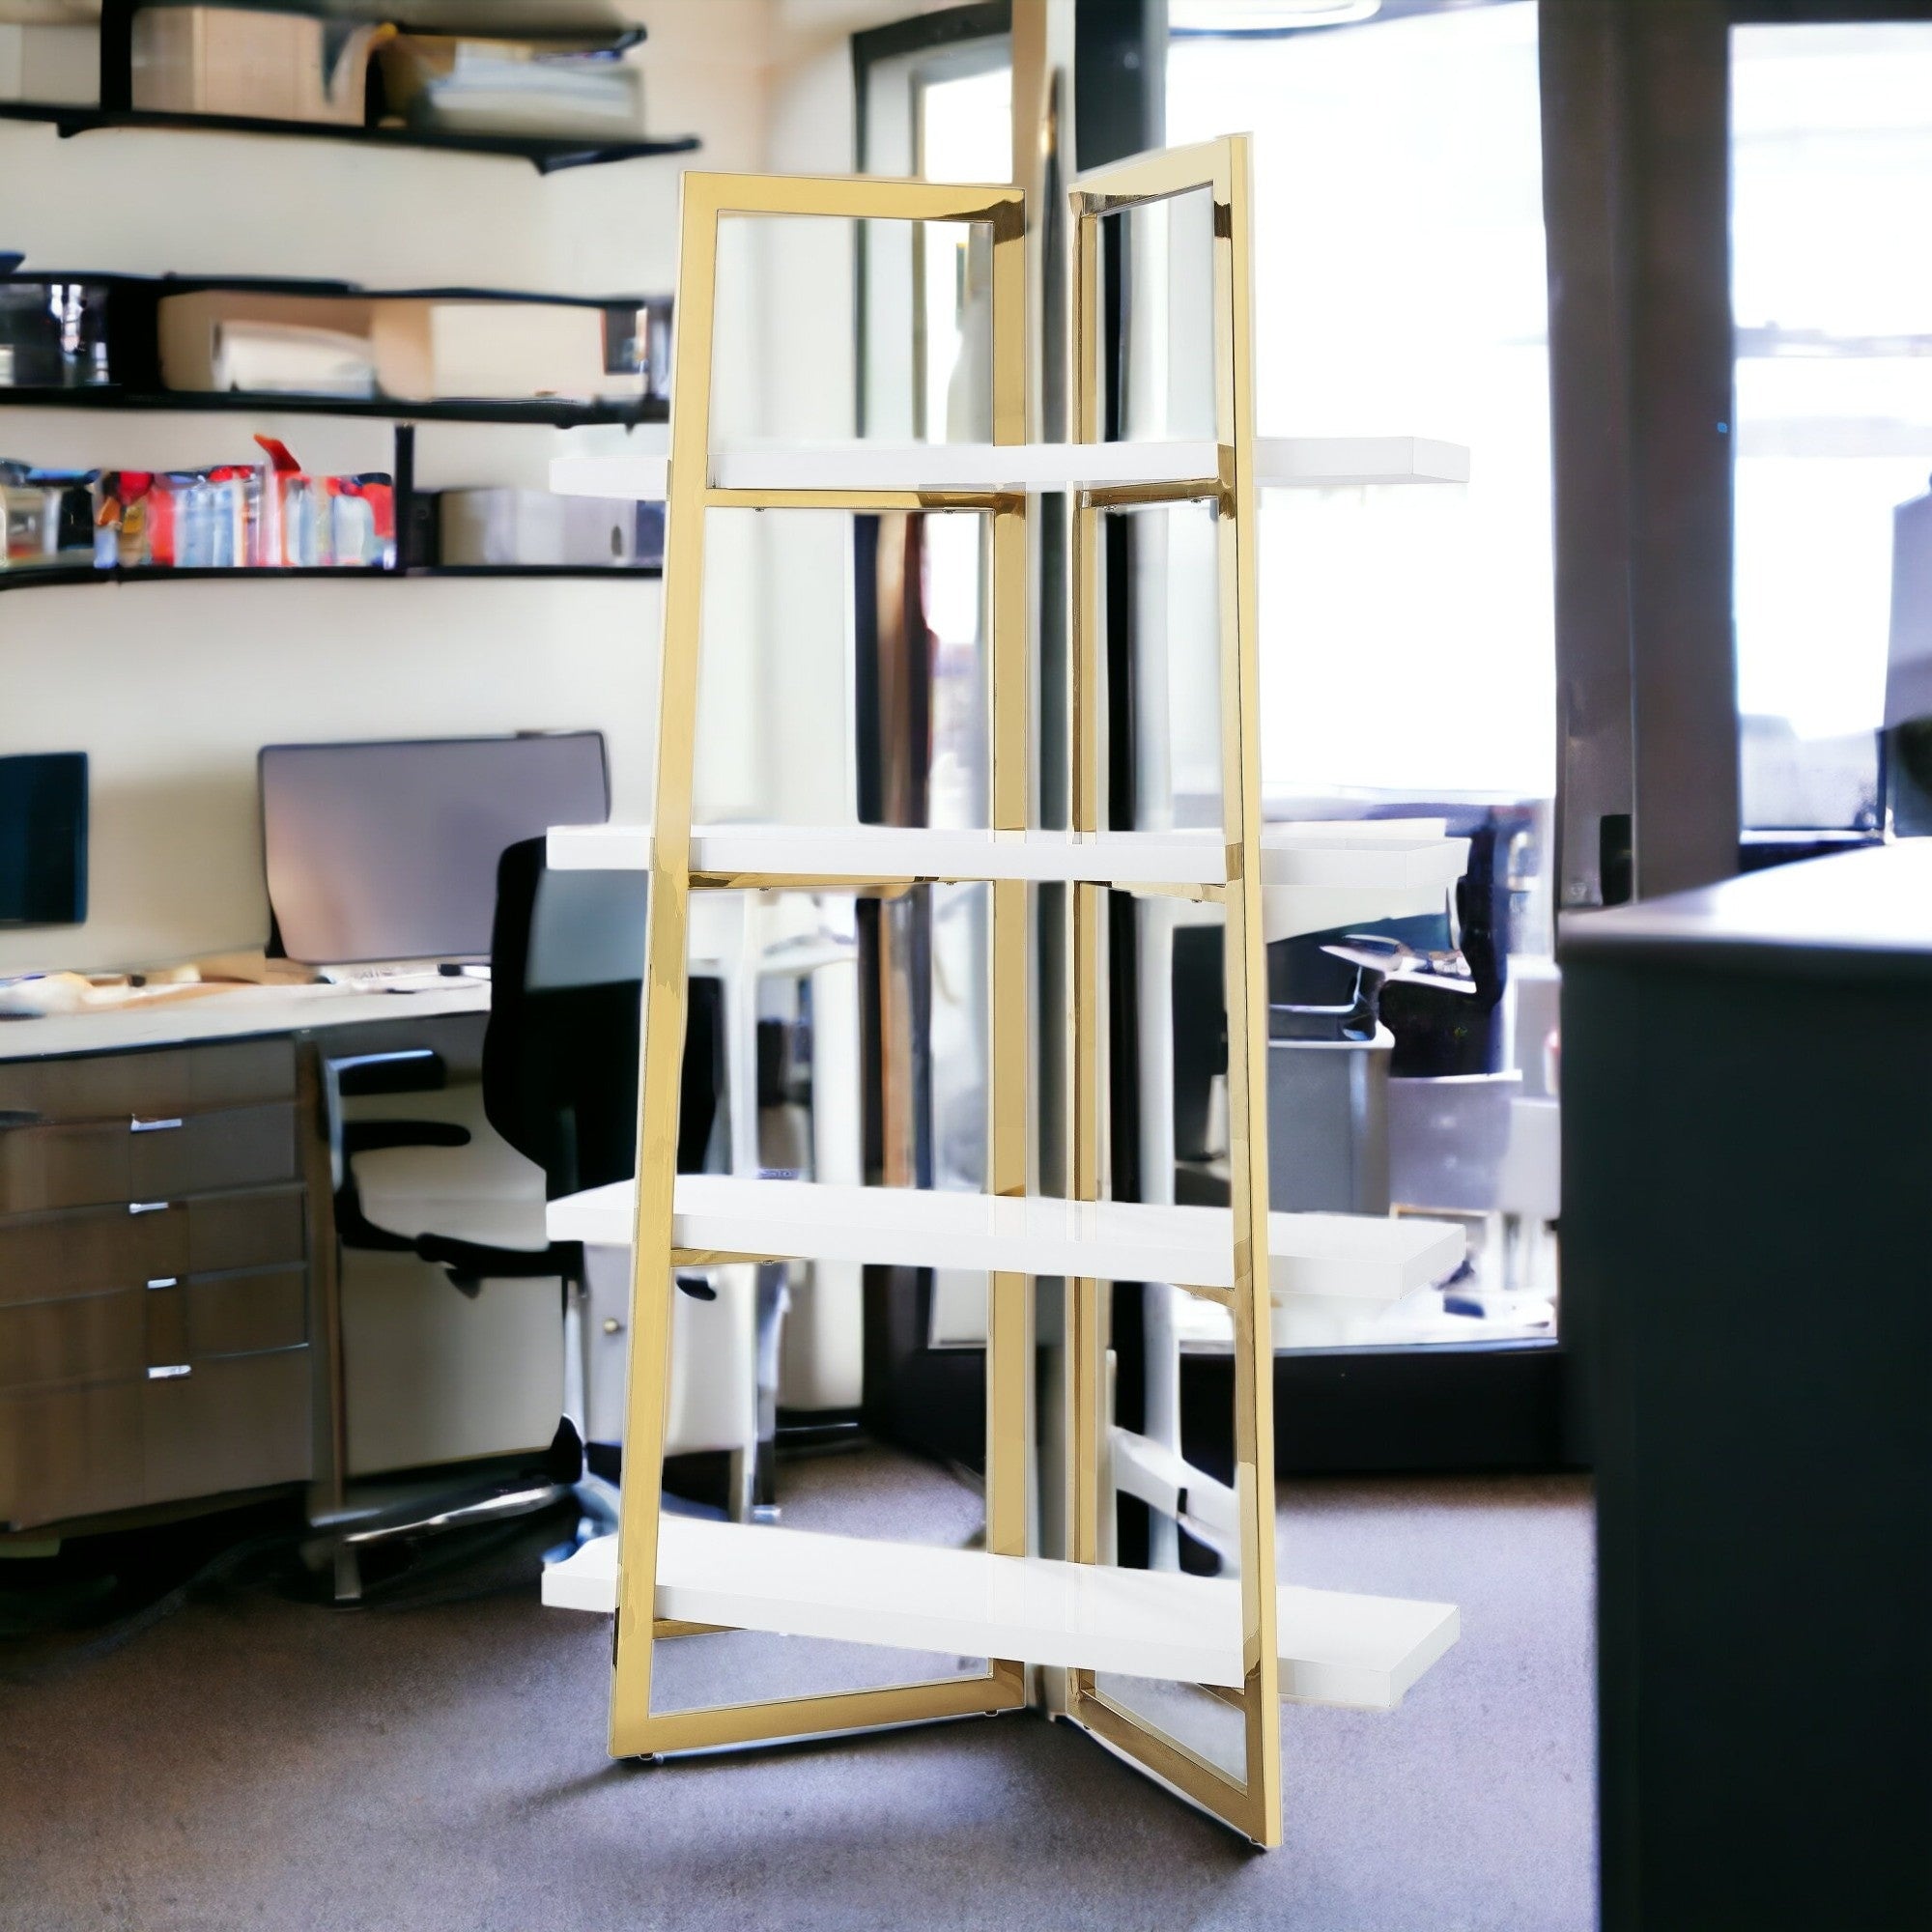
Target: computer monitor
{"x": 44, "y": 838}
{"x": 388, "y": 851}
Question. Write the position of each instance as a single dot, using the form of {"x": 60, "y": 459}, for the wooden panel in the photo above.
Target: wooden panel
{"x": 77, "y": 1165}
{"x": 63, "y": 1166}
{"x": 247, "y": 1314}
{"x": 85, "y": 1250}
{"x": 113, "y": 1086}
{"x": 91, "y": 1338}
{"x": 71, "y": 1451}
{"x": 239, "y": 1424}
{"x": 238, "y": 1146}
{"x": 256, "y": 1228}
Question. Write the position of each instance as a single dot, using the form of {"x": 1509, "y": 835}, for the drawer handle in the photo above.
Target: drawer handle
{"x": 612, "y": 1325}
{"x": 173, "y": 1373}
{"x": 148, "y": 1207}
{"x": 166, "y": 1281}
{"x": 137, "y": 1125}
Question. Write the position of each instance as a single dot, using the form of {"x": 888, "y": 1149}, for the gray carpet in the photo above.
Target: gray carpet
{"x": 255, "y": 1762}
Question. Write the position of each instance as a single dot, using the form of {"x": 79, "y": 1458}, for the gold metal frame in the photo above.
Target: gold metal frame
{"x": 707, "y": 198}
{"x": 1221, "y": 168}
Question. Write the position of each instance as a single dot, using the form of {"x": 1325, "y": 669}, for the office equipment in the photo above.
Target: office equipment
{"x": 44, "y": 838}
{"x": 812, "y": 1585}
{"x": 389, "y": 850}
{"x": 1746, "y": 1140}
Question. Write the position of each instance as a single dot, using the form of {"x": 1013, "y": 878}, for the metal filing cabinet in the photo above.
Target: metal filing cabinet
{"x": 155, "y": 1307}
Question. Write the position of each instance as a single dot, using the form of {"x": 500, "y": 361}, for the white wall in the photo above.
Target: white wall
{"x": 172, "y": 686}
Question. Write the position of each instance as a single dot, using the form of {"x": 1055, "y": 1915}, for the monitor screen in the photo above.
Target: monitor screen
{"x": 44, "y": 838}
{"x": 389, "y": 851}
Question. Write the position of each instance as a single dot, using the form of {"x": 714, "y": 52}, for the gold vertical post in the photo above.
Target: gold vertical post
{"x": 666, "y": 950}
{"x": 1246, "y": 978}
{"x": 1009, "y": 1310}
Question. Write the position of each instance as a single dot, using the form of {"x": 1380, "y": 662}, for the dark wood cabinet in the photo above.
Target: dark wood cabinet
{"x": 156, "y": 1324}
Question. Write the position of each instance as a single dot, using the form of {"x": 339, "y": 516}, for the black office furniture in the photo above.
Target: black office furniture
{"x": 561, "y": 1059}
{"x": 1747, "y": 1097}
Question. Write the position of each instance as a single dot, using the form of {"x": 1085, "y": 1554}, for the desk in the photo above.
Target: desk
{"x": 169, "y": 1327}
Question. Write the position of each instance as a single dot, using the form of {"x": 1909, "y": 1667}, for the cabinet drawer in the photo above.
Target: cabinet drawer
{"x": 211, "y": 1316}
{"x": 85, "y": 1250}
{"x": 71, "y": 1451}
{"x": 239, "y": 1424}
{"x": 112, "y": 1085}
{"x": 91, "y": 1338}
{"x": 72, "y": 1165}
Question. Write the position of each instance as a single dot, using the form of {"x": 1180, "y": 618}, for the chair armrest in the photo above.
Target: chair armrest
{"x": 417, "y": 1069}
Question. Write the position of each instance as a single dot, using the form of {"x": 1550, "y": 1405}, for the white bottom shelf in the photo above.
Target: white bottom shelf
{"x": 1336, "y": 1648}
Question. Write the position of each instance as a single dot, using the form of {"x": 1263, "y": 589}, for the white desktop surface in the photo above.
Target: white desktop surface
{"x": 232, "y": 1013}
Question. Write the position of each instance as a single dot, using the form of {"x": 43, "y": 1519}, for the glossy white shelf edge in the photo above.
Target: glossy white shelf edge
{"x": 1281, "y": 462}
{"x": 1354, "y": 462}
{"x": 1364, "y": 1257}
{"x": 1336, "y": 1648}
{"x": 1391, "y": 854}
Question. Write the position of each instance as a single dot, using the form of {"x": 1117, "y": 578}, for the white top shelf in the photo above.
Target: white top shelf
{"x": 1395, "y": 854}
{"x": 1281, "y": 462}
{"x": 1359, "y": 1652}
{"x": 1372, "y": 1256}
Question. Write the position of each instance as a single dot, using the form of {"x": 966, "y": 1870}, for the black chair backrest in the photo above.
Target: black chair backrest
{"x": 566, "y": 990}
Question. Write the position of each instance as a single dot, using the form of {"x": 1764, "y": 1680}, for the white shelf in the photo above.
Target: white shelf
{"x": 1356, "y": 462}
{"x": 892, "y": 852}
{"x": 1281, "y": 462}
{"x": 1401, "y": 856}
{"x": 1366, "y": 1256}
{"x": 1361, "y": 1652}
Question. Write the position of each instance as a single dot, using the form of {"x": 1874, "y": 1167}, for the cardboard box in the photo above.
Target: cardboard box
{"x": 492, "y": 350}
{"x": 272, "y": 67}
{"x": 59, "y": 65}
{"x": 420, "y": 349}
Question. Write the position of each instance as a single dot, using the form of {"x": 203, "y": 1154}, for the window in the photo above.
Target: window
{"x": 1832, "y": 305}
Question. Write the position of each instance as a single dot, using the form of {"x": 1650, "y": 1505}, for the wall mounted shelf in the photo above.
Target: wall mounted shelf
{"x": 546, "y": 152}
{"x": 539, "y": 411}
{"x": 58, "y": 576}
{"x": 133, "y": 325}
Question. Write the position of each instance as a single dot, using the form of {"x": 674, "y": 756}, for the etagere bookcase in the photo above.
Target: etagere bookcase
{"x": 1242, "y": 1639}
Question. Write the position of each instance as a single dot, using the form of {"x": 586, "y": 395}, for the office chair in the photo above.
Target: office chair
{"x": 558, "y": 1114}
